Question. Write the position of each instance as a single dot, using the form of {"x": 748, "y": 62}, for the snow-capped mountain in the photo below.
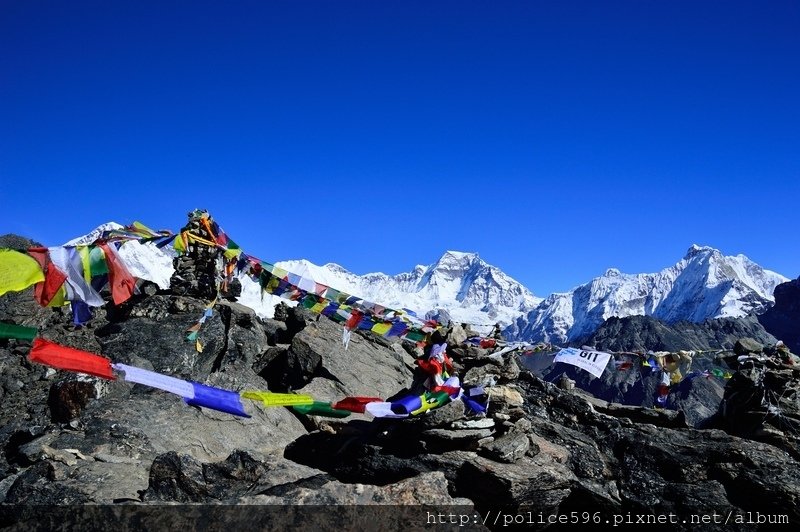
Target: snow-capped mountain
{"x": 461, "y": 284}
{"x": 704, "y": 284}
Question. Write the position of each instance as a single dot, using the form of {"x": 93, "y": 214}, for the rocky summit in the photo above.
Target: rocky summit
{"x": 543, "y": 451}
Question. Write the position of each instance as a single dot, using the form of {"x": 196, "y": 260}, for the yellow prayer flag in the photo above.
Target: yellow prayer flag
{"x": 59, "y": 299}
{"x": 231, "y": 253}
{"x": 179, "y": 244}
{"x": 18, "y": 271}
{"x": 381, "y": 328}
{"x": 278, "y": 399}
{"x": 141, "y": 227}
{"x": 83, "y": 251}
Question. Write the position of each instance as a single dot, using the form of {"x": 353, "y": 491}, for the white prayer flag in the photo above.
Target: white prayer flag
{"x": 156, "y": 380}
{"x": 592, "y": 361}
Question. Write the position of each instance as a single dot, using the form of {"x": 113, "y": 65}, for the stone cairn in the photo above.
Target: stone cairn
{"x": 196, "y": 269}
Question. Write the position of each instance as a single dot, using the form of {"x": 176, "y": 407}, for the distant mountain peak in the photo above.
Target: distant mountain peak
{"x": 705, "y": 284}
{"x": 461, "y": 254}
{"x": 696, "y": 249}
{"x": 461, "y": 258}
{"x": 94, "y": 234}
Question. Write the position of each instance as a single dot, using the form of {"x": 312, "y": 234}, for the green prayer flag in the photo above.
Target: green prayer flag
{"x": 9, "y": 330}
{"x": 319, "y": 408}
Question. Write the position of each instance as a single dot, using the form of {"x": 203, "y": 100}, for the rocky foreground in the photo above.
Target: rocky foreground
{"x": 73, "y": 441}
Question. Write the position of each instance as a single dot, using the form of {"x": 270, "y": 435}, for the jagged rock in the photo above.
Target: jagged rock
{"x": 263, "y": 360}
{"x": 33, "y": 451}
{"x": 509, "y": 485}
{"x": 276, "y": 331}
{"x": 181, "y": 478}
{"x": 462, "y": 437}
{"x": 424, "y": 489}
{"x": 36, "y": 487}
{"x": 63, "y": 456}
{"x": 698, "y": 398}
{"x": 281, "y": 311}
{"x": 658, "y": 417}
{"x": 162, "y": 340}
{"x": 296, "y": 320}
{"x": 68, "y": 398}
{"x": 493, "y": 372}
{"x": 445, "y": 415}
{"x": 508, "y": 448}
{"x": 456, "y": 336}
{"x": 300, "y": 365}
{"x": 483, "y": 423}
{"x": 246, "y": 338}
{"x": 468, "y": 353}
{"x": 745, "y": 346}
{"x": 364, "y": 369}
{"x": 503, "y": 398}
{"x": 781, "y": 320}
{"x": 759, "y": 398}
{"x": 542, "y": 449}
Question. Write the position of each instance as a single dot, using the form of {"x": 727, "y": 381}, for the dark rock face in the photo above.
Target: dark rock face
{"x": 783, "y": 318}
{"x": 698, "y": 399}
{"x": 68, "y": 399}
{"x": 16, "y": 242}
{"x": 644, "y": 333}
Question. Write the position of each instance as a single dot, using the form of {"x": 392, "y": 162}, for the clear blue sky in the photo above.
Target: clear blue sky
{"x": 556, "y": 139}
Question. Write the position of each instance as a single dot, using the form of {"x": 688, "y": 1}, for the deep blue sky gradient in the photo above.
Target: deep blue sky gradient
{"x": 556, "y": 139}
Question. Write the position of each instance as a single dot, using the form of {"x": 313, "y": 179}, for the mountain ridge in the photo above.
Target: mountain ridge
{"x": 704, "y": 284}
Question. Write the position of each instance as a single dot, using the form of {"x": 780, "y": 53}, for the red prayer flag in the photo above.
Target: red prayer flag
{"x": 431, "y": 367}
{"x": 354, "y": 319}
{"x": 355, "y": 404}
{"x": 119, "y": 278}
{"x": 451, "y": 390}
{"x": 70, "y": 359}
{"x": 54, "y": 278}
